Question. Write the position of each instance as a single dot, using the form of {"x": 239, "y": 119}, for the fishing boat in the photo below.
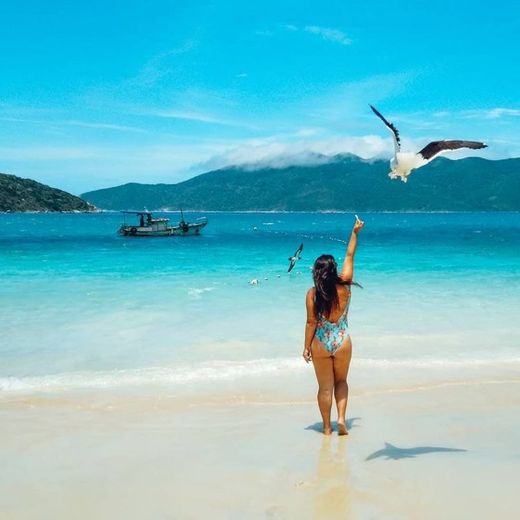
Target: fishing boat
{"x": 149, "y": 226}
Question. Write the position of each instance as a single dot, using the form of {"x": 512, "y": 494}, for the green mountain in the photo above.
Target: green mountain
{"x": 344, "y": 183}
{"x": 18, "y": 194}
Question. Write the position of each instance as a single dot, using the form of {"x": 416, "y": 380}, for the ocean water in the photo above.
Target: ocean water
{"x": 82, "y": 307}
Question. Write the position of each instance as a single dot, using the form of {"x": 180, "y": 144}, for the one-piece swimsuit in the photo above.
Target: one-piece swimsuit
{"x": 332, "y": 334}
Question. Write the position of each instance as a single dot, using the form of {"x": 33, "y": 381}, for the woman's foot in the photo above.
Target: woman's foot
{"x": 342, "y": 428}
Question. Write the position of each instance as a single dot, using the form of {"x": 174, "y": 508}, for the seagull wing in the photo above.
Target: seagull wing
{"x": 293, "y": 259}
{"x": 391, "y": 127}
{"x": 430, "y": 151}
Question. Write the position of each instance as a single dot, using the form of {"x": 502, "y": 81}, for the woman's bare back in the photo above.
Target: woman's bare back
{"x": 343, "y": 300}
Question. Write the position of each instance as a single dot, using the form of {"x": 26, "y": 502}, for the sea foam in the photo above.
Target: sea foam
{"x": 227, "y": 370}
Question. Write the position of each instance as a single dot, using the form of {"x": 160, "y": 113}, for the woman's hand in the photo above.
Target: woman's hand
{"x": 307, "y": 355}
{"x": 347, "y": 273}
{"x": 358, "y": 225}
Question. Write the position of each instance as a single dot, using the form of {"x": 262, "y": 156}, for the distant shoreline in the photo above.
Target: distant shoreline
{"x": 51, "y": 212}
{"x": 260, "y": 212}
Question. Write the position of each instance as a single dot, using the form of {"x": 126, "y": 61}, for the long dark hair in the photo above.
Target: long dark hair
{"x": 325, "y": 276}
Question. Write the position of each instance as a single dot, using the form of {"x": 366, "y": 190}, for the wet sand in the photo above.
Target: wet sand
{"x": 445, "y": 450}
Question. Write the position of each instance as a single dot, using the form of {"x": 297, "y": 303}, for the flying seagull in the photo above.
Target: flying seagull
{"x": 403, "y": 163}
{"x": 294, "y": 258}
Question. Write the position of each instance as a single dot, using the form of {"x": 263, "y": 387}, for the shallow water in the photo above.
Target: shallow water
{"x": 81, "y": 306}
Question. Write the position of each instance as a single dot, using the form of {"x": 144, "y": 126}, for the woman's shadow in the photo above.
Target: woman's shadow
{"x": 318, "y": 427}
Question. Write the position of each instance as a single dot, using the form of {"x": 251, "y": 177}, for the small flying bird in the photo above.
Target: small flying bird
{"x": 294, "y": 258}
{"x": 254, "y": 281}
{"x": 403, "y": 163}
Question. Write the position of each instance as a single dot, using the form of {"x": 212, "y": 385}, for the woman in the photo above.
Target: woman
{"x": 327, "y": 339}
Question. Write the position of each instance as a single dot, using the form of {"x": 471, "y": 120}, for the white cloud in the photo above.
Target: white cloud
{"x": 102, "y": 126}
{"x": 51, "y": 122}
{"x": 200, "y": 117}
{"x": 327, "y": 33}
{"x": 158, "y": 66}
{"x": 273, "y": 152}
{"x": 493, "y": 113}
{"x": 308, "y": 132}
{"x": 187, "y": 115}
{"x": 480, "y": 113}
{"x": 264, "y": 32}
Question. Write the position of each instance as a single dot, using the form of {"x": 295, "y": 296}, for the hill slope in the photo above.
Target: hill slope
{"x": 17, "y": 194}
{"x": 346, "y": 183}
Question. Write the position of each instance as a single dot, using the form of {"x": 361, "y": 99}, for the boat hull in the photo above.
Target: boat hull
{"x": 169, "y": 231}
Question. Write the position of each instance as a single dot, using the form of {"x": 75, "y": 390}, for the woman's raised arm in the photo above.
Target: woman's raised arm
{"x": 347, "y": 273}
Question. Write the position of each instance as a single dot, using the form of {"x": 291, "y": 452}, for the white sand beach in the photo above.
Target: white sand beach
{"x": 445, "y": 449}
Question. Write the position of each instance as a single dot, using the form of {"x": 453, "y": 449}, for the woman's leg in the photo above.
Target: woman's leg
{"x": 341, "y": 363}
{"x": 323, "y": 366}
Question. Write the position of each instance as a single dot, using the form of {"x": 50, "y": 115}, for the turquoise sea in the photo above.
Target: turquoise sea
{"x": 81, "y": 307}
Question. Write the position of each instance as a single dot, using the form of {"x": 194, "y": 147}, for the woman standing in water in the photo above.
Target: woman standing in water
{"x": 327, "y": 339}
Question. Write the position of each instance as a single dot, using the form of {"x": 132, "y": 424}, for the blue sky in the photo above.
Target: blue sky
{"x": 102, "y": 93}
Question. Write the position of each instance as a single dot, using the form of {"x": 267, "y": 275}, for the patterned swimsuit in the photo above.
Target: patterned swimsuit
{"x": 332, "y": 334}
